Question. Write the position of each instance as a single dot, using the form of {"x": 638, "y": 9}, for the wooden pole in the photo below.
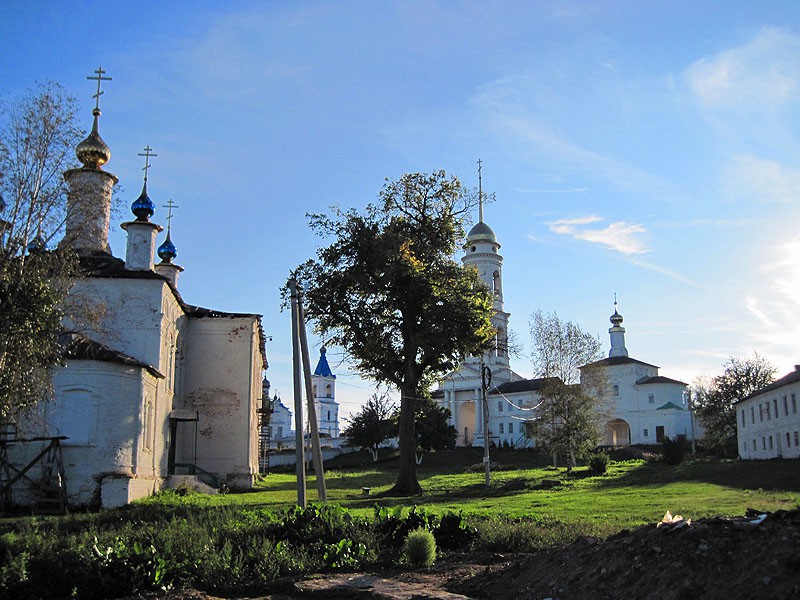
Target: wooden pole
{"x": 298, "y": 400}
{"x": 486, "y": 377}
{"x": 316, "y": 450}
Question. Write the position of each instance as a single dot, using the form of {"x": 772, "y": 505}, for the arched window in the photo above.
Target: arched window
{"x": 329, "y": 391}
{"x": 496, "y": 282}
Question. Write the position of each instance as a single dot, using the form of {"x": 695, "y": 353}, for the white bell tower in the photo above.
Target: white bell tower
{"x": 323, "y": 382}
{"x": 482, "y": 252}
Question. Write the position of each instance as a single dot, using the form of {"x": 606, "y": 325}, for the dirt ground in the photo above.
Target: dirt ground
{"x": 714, "y": 559}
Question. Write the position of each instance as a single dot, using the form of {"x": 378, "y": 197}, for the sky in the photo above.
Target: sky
{"x": 645, "y": 149}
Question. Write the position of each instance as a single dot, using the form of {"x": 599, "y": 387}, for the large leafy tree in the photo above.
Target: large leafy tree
{"x": 390, "y": 292}
{"x": 568, "y": 421}
{"x": 713, "y": 402}
{"x": 38, "y": 135}
{"x": 373, "y": 424}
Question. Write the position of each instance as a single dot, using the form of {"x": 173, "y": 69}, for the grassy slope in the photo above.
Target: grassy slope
{"x": 632, "y": 493}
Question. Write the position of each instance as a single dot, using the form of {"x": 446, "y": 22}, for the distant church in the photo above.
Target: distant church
{"x": 155, "y": 391}
{"x": 641, "y": 407}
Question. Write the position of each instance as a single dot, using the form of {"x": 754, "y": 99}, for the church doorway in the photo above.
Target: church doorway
{"x": 618, "y": 433}
{"x": 465, "y": 424}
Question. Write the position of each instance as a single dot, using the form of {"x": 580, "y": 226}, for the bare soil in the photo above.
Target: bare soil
{"x": 712, "y": 559}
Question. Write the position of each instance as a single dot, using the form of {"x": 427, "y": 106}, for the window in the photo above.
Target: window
{"x": 328, "y": 391}
{"x": 646, "y": 433}
{"x": 501, "y": 428}
{"x": 763, "y": 443}
{"x": 329, "y": 415}
{"x": 745, "y": 446}
{"x": 794, "y": 405}
{"x": 616, "y": 390}
{"x": 797, "y": 438}
{"x": 760, "y": 412}
{"x": 743, "y": 422}
{"x": 754, "y": 445}
{"x": 651, "y": 398}
{"x": 770, "y": 442}
{"x": 752, "y": 415}
{"x": 785, "y": 406}
{"x": 788, "y": 440}
{"x": 511, "y": 427}
{"x": 769, "y": 415}
{"x": 775, "y": 404}
{"x": 499, "y": 406}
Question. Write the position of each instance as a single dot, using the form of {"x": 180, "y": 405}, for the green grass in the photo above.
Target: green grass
{"x": 243, "y": 543}
{"x": 631, "y": 493}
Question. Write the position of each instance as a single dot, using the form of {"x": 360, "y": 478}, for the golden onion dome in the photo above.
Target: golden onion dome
{"x": 93, "y": 152}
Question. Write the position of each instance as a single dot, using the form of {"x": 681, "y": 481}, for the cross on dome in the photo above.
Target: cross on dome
{"x": 99, "y": 77}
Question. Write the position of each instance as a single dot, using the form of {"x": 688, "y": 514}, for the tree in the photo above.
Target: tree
{"x": 714, "y": 402}
{"x": 37, "y": 138}
{"x": 373, "y": 424}
{"x": 567, "y": 422}
{"x": 389, "y": 291}
{"x": 433, "y": 429}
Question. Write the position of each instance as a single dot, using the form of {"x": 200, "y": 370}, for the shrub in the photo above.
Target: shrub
{"x": 598, "y": 462}
{"x": 453, "y": 532}
{"x": 675, "y": 450}
{"x": 419, "y": 549}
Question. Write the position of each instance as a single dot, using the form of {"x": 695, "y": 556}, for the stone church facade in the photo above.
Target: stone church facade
{"x": 155, "y": 391}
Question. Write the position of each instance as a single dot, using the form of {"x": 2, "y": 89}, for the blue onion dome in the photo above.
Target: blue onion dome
{"x": 143, "y": 207}
{"x": 481, "y": 232}
{"x": 167, "y": 251}
{"x": 93, "y": 152}
{"x": 36, "y": 245}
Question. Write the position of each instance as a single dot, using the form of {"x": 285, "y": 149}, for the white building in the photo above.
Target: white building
{"x": 323, "y": 384}
{"x": 153, "y": 388}
{"x": 640, "y": 406}
{"x": 767, "y": 421}
{"x": 510, "y": 398}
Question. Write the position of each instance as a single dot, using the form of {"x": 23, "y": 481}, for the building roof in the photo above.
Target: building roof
{"x": 79, "y": 347}
{"x": 669, "y": 406}
{"x": 658, "y": 379}
{"x": 523, "y": 385}
{"x": 792, "y": 377}
{"x": 617, "y": 360}
{"x": 481, "y": 232}
{"x": 323, "y": 368}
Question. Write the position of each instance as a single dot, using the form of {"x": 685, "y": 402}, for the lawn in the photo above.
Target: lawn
{"x": 243, "y": 543}
{"x": 631, "y": 493}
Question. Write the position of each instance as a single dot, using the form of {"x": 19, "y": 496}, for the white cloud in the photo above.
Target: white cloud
{"x": 759, "y": 179}
{"x": 619, "y": 236}
{"x": 761, "y": 73}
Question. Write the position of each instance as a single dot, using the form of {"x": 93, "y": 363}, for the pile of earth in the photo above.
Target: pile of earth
{"x": 757, "y": 556}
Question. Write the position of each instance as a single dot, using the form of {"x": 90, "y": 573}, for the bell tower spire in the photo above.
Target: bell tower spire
{"x": 617, "y": 333}
{"x": 90, "y": 188}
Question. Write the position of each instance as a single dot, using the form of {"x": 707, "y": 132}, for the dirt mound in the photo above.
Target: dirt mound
{"x": 720, "y": 558}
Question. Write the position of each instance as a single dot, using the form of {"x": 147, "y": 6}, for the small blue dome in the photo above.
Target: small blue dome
{"x": 167, "y": 251}
{"x": 143, "y": 207}
{"x": 36, "y": 244}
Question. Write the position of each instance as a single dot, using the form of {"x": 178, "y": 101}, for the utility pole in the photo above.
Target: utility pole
{"x": 691, "y": 420}
{"x": 316, "y": 450}
{"x": 486, "y": 381}
{"x": 298, "y": 399}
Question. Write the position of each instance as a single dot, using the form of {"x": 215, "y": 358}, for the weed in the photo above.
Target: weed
{"x": 419, "y": 548}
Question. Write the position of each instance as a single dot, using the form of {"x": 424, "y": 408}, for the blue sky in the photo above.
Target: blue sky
{"x": 648, "y": 149}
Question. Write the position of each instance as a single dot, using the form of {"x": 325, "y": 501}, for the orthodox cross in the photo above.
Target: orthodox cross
{"x": 480, "y": 191}
{"x": 99, "y": 77}
{"x": 170, "y": 205}
{"x": 147, "y": 154}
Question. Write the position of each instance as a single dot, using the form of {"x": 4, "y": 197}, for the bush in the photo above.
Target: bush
{"x": 675, "y": 450}
{"x": 598, "y": 463}
{"x": 419, "y": 549}
{"x": 453, "y": 532}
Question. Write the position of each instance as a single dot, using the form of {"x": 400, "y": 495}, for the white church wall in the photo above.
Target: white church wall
{"x": 96, "y": 406}
{"x": 222, "y": 382}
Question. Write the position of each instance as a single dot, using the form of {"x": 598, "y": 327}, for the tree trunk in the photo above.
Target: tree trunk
{"x": 407, "y": 483}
